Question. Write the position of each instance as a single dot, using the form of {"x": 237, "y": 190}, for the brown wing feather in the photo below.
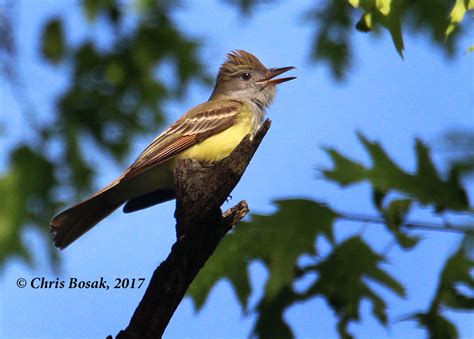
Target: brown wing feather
{"x": 166, "y": 153}
{"x": 198, "y": 124}
{"x": 191, "y": 129}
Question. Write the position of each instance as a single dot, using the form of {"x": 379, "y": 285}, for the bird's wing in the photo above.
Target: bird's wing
{"x": 196, "y": 125}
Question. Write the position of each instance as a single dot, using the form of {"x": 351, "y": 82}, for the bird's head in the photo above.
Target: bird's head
{"x": 242, "y": 76}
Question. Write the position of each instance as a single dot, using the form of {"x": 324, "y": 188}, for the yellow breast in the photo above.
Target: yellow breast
{"x": 219, "y": 146}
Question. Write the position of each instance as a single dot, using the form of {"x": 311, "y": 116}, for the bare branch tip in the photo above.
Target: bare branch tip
{"x": 236, "y": 213}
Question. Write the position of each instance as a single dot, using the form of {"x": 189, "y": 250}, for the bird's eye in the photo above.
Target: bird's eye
{"x": 245, "y": 76}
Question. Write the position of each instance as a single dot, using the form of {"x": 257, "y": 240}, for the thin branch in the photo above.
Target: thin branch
{"x": 411, "y": 225}
{"x": 200, "y": 226}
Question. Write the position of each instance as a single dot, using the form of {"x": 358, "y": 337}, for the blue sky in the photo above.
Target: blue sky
{"x": 384, "y": 97}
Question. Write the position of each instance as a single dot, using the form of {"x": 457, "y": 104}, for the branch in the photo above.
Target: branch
{"x": 411, "y": 225}
{"x": 200, "y": 226}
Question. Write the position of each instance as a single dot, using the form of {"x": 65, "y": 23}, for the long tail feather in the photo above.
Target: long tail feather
{"x": 72, "y": 223}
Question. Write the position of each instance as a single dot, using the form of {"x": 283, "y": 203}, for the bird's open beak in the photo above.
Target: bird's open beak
{"x": 272, "y": 73}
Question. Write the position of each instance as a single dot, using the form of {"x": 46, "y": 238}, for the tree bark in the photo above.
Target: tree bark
{"x": 200, "y": 226}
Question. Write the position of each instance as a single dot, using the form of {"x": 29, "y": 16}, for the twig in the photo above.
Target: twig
{"x": 411, "y": 225}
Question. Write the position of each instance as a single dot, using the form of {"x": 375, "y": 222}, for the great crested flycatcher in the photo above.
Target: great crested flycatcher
{"x": 207, "y": 133}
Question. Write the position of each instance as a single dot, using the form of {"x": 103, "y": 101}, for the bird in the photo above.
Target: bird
{"x": 244, "y": 89}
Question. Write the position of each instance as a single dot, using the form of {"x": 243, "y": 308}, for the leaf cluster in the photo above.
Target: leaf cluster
{"x": 457, "y": 272}
{"x": 346, "y": 275}
{"x": 25, "y": 195}
{"x": 425, "y": 187}
{"x": 115, "y": 94}
{"x": 439, "y": 19}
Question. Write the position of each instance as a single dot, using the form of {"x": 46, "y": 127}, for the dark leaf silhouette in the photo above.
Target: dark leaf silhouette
{"x": 278, "y": 240}
{"x": 425, "y": 185}
{"x": 53, "y": 44}
{"x": 343, "y": 280}
{"x": 457, "y": 272}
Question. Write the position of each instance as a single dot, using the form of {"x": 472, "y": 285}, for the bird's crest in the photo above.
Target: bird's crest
{"x": 238, "y": 61}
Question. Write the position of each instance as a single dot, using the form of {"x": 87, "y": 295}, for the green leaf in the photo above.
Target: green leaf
{"x": 395, "y": 215}
{"x": 52, "y": 41}
{"x": 384, "y": 172}
{"x": 25, "y": 193}
{"x": 457, "y": 14}
{"x": 469, "y": 50}
{"x": 288, "y": 234}
{"x": 10, "y": 218}
{"x": 388, "y": 13}
{"x": 342, "y": 281}
{"x": 332, "y": 41}
{"x": 81, "y": 173}
{"x": 393, "y": 22}
{"x": 425, "y": 167}
{"x": 345, "y": 171}
{"x": 367, "y": 5}
{"x": 334, "y": 19}
{"x": 354, "y": 3}
{"x": 378, "y": 198}
{"x": 365, "y": 23}
{"x": 438, "y": 326}
{"x": 93, "y": 8}
{"x": 426, "y": 185}
{"x": 270, "y": 319}
{"x": 456, "y": 272}
{"x": 383, "y": 6}
{"x": 278, "y": 240}
{"x": 383, "y": 278}
{"x": 227, "y": 263}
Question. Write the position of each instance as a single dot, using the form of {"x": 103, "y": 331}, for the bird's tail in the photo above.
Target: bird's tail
{"x": 72, "y": 223}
